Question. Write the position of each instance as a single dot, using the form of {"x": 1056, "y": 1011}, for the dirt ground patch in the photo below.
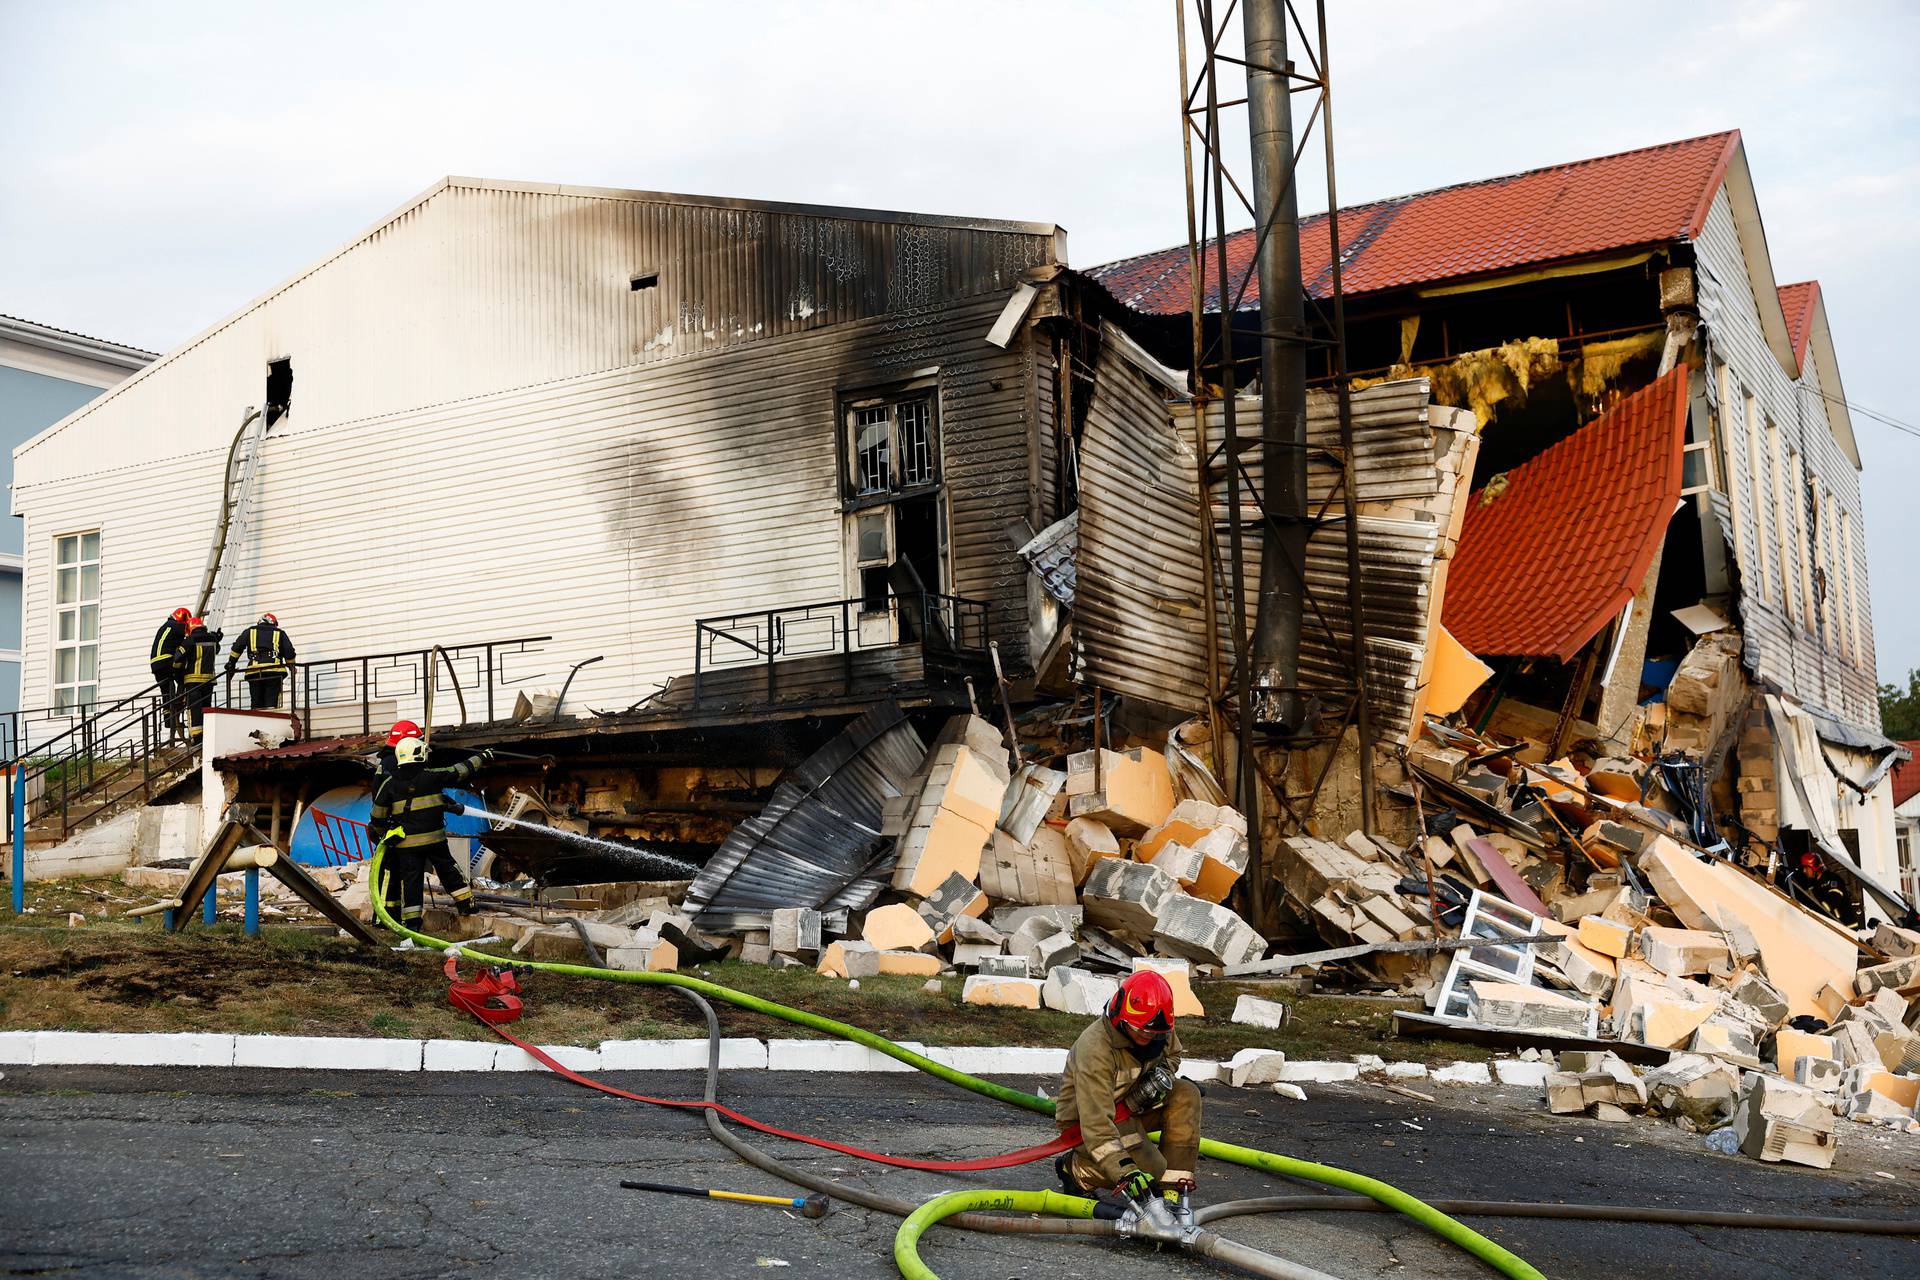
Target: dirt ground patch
{"x": 114, "y": 974}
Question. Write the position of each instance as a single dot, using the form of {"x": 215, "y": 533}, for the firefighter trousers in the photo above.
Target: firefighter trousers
{"x": 167, "y": 676}
{"x": 1177, "y": 1119}
{"x": 198, "y": 697}
{"x": 406, "y": 872}
{"x": 263, "y": 689}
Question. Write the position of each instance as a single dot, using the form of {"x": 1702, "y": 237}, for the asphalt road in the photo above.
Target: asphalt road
{"x": 122, "y": 1172}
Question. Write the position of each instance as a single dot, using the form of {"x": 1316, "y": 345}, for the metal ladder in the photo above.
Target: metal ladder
{"x": 236, "y": 512}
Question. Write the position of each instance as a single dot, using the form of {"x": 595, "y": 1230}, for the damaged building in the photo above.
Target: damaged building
{"x": 1662, "y": 549}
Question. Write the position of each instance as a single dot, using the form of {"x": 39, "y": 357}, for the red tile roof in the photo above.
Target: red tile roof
{"x": 1798, "y": 300}
{"x": 1557, "y": 551}
{"x": 1906, "y": 776}
{"x": 1651, "y": 196}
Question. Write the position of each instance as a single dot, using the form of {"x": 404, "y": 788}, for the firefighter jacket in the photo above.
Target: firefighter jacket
{"x": 199, "y": 657}
{"x": 411, "y": 801}
{"x": 167, "y": 643}
{"x": 267, "y": 649}
{"x": 1101, "y": 1067}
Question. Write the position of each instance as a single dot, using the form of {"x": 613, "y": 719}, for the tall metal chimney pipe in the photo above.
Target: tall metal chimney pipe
{"x": 1283, "y": 366}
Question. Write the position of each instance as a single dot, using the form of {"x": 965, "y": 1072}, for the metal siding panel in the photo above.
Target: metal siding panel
{"x": 610, "y": 510}
{"x": 1777, "y": 648}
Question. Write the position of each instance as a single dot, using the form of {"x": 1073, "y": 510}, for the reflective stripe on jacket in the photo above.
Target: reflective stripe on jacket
{"x": 167, "y": 643}
{"x": 412, "y": 802}
{"x": 266, "y": 646}
{"x": 1101, "y": 1068}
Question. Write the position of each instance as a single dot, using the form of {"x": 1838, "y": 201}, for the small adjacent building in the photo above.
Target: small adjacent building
{"x": 46, "y": 374}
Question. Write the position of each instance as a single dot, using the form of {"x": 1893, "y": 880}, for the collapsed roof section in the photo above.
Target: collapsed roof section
{"x": 1553, "y": 550}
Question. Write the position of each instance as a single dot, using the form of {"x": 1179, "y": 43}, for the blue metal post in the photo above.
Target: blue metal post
{"x": 20, "y": 834}
{"x": 210, "y": 905}
{"x": 253, "y": 902}
{"x": 166, "y": 919}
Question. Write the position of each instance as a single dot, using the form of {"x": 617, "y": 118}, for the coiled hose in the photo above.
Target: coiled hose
{"x": 1454, "y": 1232}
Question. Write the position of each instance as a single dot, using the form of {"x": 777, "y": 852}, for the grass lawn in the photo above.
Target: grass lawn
{"x": 115, "y": 974}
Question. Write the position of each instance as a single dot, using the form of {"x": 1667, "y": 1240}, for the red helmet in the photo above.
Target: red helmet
{"x": 1143, "y": 1002}
{"x": 1809, "y": 865}
{"x": 181, "y": 615}
{"x": 402, "y": 729}
{"x": 269, "y": 619}
{"x": 195, "y": 624}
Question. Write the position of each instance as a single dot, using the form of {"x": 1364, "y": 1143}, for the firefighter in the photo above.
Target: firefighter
{"x": 409, "y": 818}
{"x": 164, "y": 660}
{"x": 1817, "y": 887}
{"x": 199, "y": 663}
{"x": 269, "y": 653}
{"x": 402, "y": 729}
{"x": 1130, "y": 1058}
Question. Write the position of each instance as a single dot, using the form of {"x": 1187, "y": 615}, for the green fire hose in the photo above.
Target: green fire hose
{"x": 906, "y": 1241}
{"x": 1455, "y": 1232}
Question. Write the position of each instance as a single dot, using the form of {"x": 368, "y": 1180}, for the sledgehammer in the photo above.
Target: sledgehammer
{"x": 814, "y": 1206}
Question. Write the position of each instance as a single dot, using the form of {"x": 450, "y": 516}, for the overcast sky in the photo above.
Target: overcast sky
{"x": 161, "y": 163}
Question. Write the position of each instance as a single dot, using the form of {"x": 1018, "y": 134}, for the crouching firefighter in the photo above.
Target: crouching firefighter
{"x": 409, "y": 819}
{"x": 1130, "y": 1058}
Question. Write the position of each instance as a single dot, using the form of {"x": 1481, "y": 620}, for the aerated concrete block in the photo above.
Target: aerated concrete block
{"x": 1076, "y": 991}
{"x": 794, "y": 930}
{"x": 1126, "y": 896}
{"x": 1760, "y": 995}
{"x": 849, "y": 958}
{"x": 1016, "y": 993}
{"x": 1205, "y": 931}
{"x": 1251, "y": 1068}
{"x": 1252, "y": 1011}
{"x": 1042, "y": 953}
{"x": 1005, "y": 966}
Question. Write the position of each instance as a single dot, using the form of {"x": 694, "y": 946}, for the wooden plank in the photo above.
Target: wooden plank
{"x": 1511, "y": 886}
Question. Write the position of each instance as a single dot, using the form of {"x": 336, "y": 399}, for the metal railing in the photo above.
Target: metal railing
{"x": 474, "y": 676}
{"x": 764, "y": 638}
{"x": 109, "y": 754}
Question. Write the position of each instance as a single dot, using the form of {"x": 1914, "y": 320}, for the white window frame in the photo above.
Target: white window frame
{"x": 78, "y": 690}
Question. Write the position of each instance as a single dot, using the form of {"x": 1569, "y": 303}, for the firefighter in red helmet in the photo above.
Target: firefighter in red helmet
{"x": 385, "y": 762}
{"x": 166, "y": 658}
{"x": 1130, "y": 1059}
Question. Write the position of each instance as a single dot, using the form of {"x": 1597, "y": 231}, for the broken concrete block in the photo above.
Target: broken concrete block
{"x": 1205, "y": 931}
{"x": 653, "y": 956}
{"x": 1892, "y": 940}
{"x": 1904, "y": 1091}
{"x": 794, "y": 929}
{"x": 1660, "y": 1019}
{"x": 1005, "y": 966}
{"x": 1697, "y": 1088}
{"x": 1037, "y": 871}
{"x": 1013, "y": 993}
{"x": 848, "y": 958}
{"x": 970, "y": 955}
{"x": 1853, "y": 1044}
{"x": 1179, "y": 976}
{"x": 1608, "y": 937}
{"x": 1566, "y": 1096}
{"x": 1870, "y": 1107}
{"x": 1724, "y": 1041}
{"x": 1178, "y": 861}
{"x": 1516, "y": 1005}
{"x": 946, "y": 845}
{"x": 1680, "y": 952}
{"x": 956, "y": 896}
{"x": 914, "y": 964}
{"x": 1252, "y": 1011}
{"x": 1088, "y": 841}
{"x": 1789, "y": 1046}
{"x": 971, "y": 929}
{"x": 1611, "y": 1113}
{"x": 1761, "y": 996}
{"x": 752, "y": 952}
{"x": 1251, "y": 1068}
{"x": 1076, "y": 991}
{"x": 1029, "y": 796}
{"x": 896, "y": 927}
{"x": 1126, "y": 896}
{"x": 1135, "y": 789}
{"x": 1586, "y": 970}
{"x": 1042, "y": 950}
{"x": 1821, "y": 1074}
{"x": 1062, "y": 919}
{"x": 1899, "y": 1051}
{"x": 1445, "y": 763}
{"x": 1485, "y": 784}
{"x": 1520, "y": 1073}
{"x": 1904, "y": 972}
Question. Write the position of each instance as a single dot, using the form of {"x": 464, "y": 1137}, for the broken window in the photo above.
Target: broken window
{"x": 279, "y": 389}
{"x": 1696, "y": 458}
{"x": 892, "y": 446}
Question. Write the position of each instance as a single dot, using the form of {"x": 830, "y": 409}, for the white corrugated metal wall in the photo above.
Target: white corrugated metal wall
{"x": 608, "y": 508}
{"x": 1781, "y": 645}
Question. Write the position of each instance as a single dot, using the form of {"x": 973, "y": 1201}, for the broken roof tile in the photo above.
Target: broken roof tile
{"x": 1565, "y": 539}
{"x": 1637, "y": 198}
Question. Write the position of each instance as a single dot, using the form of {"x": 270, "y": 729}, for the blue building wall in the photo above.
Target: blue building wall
{"x": 29, "y": 403}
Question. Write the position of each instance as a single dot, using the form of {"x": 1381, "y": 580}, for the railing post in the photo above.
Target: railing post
{"x": 772, "y": 649}
{"x": 846, "y": 645}
{"x": 490, "y": 715}
{"x": 366, "y": 697}
{"x": 253, "y": 902}
{"x": 699, "y": 644}
{"x": 20, "y": 833}
{"x": 210, "y": 906}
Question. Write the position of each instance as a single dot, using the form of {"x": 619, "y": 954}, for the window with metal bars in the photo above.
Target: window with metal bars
{"x": 892, "y": 447}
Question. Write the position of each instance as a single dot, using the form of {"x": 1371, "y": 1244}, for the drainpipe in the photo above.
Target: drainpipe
{"x": 1283, "y": 370}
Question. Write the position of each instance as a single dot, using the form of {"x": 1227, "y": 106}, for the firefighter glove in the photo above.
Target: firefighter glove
{"x": 1135, "y": 1183}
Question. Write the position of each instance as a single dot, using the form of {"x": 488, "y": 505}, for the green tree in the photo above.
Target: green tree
{"x": 1900, "y": 709}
